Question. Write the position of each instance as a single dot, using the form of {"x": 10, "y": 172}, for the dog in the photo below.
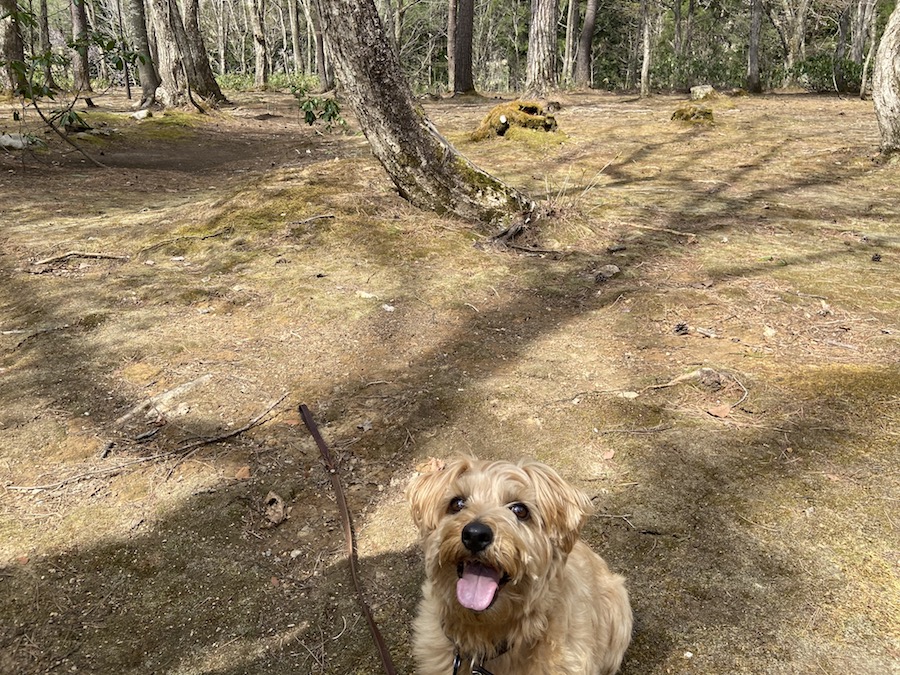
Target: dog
{"x": 510, "y": 588}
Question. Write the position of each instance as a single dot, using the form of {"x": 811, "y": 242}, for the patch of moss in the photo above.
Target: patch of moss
{"x": 518, "y": 114}
{"x": 693, "y": 114}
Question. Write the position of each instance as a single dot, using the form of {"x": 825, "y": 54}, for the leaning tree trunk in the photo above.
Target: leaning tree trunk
{"x": 583, "y": 75}
{"x": 540, "y": 70}
{"x": 886, "y": 85}
{"x": 136, "y": 19}
{"x": 426, "y": 169}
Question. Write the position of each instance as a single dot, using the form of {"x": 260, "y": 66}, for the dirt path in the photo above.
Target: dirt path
{"x": 730, "y": 397}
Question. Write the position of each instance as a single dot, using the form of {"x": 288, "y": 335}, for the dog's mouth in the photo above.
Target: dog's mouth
{"x": 478, "y": 585}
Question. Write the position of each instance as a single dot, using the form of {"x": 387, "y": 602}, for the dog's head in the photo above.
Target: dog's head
{"x": 494, "y": 533}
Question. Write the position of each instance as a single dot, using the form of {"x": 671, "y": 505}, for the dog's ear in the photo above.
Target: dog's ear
{"x": 564, "y": 508}
{"x": 428, "y": 493}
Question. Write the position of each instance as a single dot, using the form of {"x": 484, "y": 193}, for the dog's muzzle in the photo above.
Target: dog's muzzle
{"x": 476, "y": 536}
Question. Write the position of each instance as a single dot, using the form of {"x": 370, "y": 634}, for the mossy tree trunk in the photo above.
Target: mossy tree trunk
{"x": 886, "y": 85}
{"x": 426, "y": 169}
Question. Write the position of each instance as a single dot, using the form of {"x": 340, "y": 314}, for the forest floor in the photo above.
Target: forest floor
{"x": 730, "y": 398}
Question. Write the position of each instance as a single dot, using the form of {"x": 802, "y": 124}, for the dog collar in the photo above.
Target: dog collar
{"x": 476, "y": 670}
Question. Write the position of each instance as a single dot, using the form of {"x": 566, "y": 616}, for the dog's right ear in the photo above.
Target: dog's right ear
{"x": 429, "y": 492}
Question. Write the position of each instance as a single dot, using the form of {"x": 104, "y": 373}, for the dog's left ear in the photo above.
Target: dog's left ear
{"x": 563, "y": 506}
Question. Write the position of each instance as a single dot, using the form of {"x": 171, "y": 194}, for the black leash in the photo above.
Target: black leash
{"x": 350, "y": 542}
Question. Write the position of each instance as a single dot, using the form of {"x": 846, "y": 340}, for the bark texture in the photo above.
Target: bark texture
{"x": 463, "y": 81}
{"x": 754, "y": 85}
{"x": 540, "y": 71}
{"x": 136, "y": 19}
{"x": 81, "y": 73}
{"x": 583, "y": 74}
{"x": 426, "y": 169}
{"x": 886, "y": 85}
{"x": 11, "y": 48}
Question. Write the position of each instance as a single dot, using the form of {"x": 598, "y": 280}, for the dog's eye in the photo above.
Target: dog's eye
{"x": 456, "y": 505}
{"x": 520, "y": 511}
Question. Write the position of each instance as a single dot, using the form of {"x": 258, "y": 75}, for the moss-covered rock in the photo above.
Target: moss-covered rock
{"x": 694, "y": 114}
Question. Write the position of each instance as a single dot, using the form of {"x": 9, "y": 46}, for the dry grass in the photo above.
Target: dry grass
{"x": 264, "y": 258}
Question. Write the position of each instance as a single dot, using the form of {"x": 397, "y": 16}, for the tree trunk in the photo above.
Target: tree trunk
{"x": 863, "y": 18}
{"x": 294, "y": 20}
{"x": 257, "y": 11}
{"x": 12, "y": 50}
{"x": 568, "y": 68}
{"x": 840, "y": 51}
{"x": 790, "y": 24}
{"x": 540, "y": 72}
{"x": 463, "y": 81}
{"x": 81, "y": 71}
{"x": 426, "y": 169}
{"x": 46, "y": 46}
{"x": 863, "y": 83}
{"x": 886, "y": 85}
{"x": 451, "y": 46}
{"x": 754, "y": 85}
{"x": 173, "y": 82}
{"x": 136, "y": 20}
{"x": 323, "y": 68}
{"x": 583, "y": 75}
{"x": 646, "y": 47}
{"x": 203, "y": 82}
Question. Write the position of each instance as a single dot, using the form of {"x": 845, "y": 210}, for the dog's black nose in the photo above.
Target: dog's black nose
{"x": 476, "y": 536}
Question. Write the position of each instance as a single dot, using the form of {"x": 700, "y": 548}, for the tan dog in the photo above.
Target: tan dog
{"x": 510, "y": 588}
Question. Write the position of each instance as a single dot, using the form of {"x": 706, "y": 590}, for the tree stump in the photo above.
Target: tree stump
{"x": 524, "y": 114}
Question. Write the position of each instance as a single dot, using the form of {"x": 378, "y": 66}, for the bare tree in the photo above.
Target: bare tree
{"x": 540, "y": 71}
{"x": 790, "y": 23}
{"x": 646, "y": 45}
{"x": 45, "y": 46}
{"x": 886, "y": 85}
{"x": 568, "y": 68}
{"x": 425, "y": 168}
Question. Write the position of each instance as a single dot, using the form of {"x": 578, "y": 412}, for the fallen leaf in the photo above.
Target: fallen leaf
{"x": 243, "y": 473}
{"x": 275, "y": 511}
{"x": 433, "y": 464}
{"x": 720, "y": 410}
{"x": 609, "y": 454}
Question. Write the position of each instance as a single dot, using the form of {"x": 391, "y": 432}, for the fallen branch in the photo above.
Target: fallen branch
{"x": 201, "y": 237}
{"x": 162, "y": 399}
{"x": 186, "y": 451}
{"x": 663, "y": 229}
{"x": 324, "y": 216}
{"x": 79, "y": 254}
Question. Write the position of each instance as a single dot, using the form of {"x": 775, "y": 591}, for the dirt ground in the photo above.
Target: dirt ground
{"x": 730, "y": 398}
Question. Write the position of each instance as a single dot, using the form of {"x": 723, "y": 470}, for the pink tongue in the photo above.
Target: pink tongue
{"x": 477, "y": 586}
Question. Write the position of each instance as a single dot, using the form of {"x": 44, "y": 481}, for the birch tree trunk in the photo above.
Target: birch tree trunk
{"x": 425, "y": 168}
{"x": 646, "y": 47}
{"x": 886, "y": 85}
{"x": 540, "y": 70}
{"x": 583, "y": 75}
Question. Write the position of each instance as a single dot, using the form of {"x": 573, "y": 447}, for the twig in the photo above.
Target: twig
{"x": 309, "y": 220}
{"x": 99, "y": 473}
{"x": 188, "y": 450}
{"x": 646, "y": 430}
{"x": 66, "y": 138}
{"x": 79, "y": 254}
{"x": 662, "y": 229}
{"x": 202, "y": 237}
{"x": 624, "y": 517}
{"x": 163, "y": 398}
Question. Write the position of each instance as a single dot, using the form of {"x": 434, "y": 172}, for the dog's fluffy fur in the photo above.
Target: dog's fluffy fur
{"x": 518, "y": 589}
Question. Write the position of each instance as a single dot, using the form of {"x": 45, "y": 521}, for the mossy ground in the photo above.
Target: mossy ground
{"x": 264, "y": 258}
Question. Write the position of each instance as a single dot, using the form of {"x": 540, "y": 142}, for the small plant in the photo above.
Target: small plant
{"x": 316, "y": 108}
